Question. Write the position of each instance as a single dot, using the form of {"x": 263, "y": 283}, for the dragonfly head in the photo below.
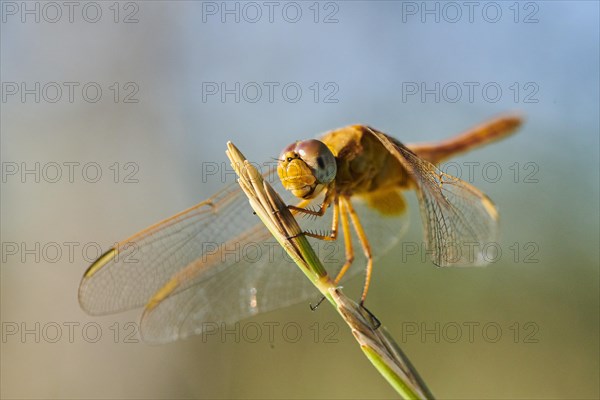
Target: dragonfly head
{"x": 306, "y": 168}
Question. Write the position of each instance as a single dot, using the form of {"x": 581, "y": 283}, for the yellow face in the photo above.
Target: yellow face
{"x": 306, "y": 168}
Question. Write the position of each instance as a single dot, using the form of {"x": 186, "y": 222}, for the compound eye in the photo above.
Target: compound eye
{"x": 319, "y": 158}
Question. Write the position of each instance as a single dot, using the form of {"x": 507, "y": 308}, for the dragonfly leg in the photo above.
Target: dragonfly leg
{"x": 332, "y": 235}
{"x": 362, "y": 237}
{"x": 314, "y": 308}
{"x": 347, "y": 243}
{"x": 301, "y": 207}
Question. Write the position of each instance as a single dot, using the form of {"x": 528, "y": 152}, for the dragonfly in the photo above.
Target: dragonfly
{"x": 216, "y": 263}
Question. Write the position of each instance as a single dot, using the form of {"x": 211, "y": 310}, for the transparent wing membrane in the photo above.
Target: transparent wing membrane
{"x": 459, "y": 219}
{"x": 215, "y": 263}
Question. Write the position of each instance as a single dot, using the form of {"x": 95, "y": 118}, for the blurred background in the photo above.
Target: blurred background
{"x": 111, "y": 113}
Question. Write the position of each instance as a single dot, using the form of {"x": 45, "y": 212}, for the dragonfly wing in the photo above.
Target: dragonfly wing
{"x": 129, "y": 274}
{"x": 242, "y": 289}
{"x": 262, "y": 278}
{"x": 459, "y": 219}
{"x": 212, "y": 263}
